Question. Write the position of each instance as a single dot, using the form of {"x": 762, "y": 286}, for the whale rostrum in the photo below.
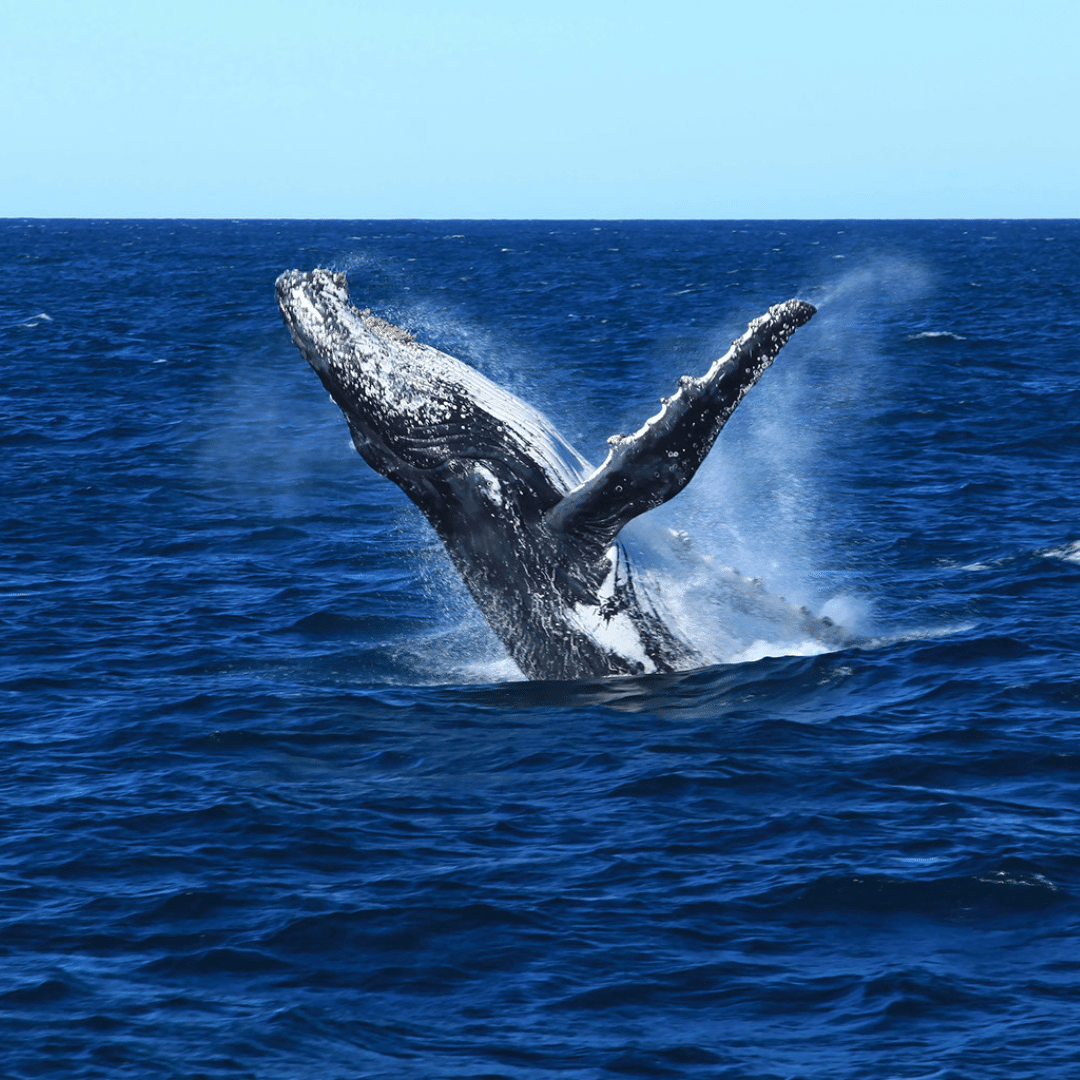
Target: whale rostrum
{"x": 531, "y": 529}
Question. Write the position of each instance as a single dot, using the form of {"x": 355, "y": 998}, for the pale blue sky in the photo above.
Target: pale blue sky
{"x": 594, "y": 108}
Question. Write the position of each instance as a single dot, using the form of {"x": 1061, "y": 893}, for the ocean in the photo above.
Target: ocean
{"x": 276, "y": 804}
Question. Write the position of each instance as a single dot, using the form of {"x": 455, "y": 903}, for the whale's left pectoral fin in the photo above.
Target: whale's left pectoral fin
{"x": 658, "y": 460}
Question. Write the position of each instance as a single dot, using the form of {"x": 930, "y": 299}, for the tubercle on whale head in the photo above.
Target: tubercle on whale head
{"x": 800, "y": 311}
{"x": 316, "y": 285}
{"x": 338, "y": 340}
{"x": 333, "y": 337}
{"x": 305, "y": 307}
{"x": 788, "y": 316}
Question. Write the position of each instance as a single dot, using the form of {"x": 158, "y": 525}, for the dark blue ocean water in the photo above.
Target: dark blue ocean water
{"x": 275, "y": 805}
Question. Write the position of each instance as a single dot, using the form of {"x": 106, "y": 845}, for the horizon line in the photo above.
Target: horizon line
{"x": 237, "y": 218}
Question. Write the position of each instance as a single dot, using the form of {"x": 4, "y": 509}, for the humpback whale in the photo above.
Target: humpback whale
{"x": 531, "y": 529}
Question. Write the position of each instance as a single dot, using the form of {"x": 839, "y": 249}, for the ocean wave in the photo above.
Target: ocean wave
{"x": 275, "y": 805}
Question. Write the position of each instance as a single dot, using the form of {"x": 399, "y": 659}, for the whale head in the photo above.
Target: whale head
{"x": 408, "y": 404}
{"x": 368, "y": 365}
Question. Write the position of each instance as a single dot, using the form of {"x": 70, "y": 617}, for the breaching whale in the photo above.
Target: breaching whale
{"x": 530, "y": 528}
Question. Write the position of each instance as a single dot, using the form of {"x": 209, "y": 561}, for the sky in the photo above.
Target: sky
{"x": 513, "y": 109}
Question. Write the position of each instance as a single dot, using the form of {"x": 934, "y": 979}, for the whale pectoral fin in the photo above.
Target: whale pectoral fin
{"x": 654, "y": 464}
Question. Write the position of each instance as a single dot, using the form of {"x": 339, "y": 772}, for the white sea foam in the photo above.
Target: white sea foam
{"x": 727, "y": 617}
{"x": 759, "y": 650}
{"x": 1068, "y": 552}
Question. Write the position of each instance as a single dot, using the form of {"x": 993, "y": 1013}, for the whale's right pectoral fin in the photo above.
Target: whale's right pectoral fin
{"x": 654, "y": 464}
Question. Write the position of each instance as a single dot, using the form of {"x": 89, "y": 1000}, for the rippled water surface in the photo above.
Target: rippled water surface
{"x": 276, "y": 804}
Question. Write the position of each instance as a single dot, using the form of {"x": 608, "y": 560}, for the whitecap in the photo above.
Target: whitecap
{"x": 1068, "y": 552}
{"x": 760, "y": 649}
